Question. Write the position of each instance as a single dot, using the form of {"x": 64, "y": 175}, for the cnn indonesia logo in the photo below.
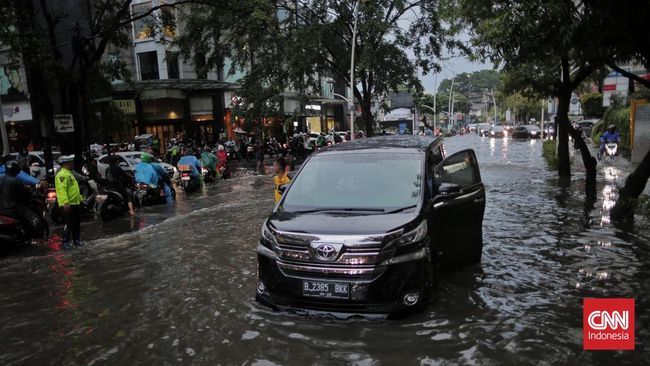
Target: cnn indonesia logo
{"x": 608, "y": 324}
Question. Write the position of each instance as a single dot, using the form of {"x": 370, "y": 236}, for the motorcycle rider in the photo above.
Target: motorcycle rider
{"x": 146, "y": 172}
{"x": 69, "y": 197}
{"x": 192, "y": 161}
{"x": 22, "y": 177}
{"x": 209, "y": 161}
{"x": 222, "y": 166}
{"x": 14, "y": 200}
{"x": 609, "y": 136}
{"x": 118, "y": 180}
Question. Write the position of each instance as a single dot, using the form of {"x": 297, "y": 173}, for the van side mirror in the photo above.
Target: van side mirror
{"x": 283, "y": 188}
{"x": 447, "y": 189}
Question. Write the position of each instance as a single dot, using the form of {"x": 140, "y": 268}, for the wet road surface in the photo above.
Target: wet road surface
{"x": 179, "y": 290}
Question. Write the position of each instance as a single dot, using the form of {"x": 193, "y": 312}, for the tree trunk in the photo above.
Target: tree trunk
{"x": 634, "y": 186}
{"x": 563, "y": 163}
{"x": 366, "y": 114}
{"x": 589, "y": 162}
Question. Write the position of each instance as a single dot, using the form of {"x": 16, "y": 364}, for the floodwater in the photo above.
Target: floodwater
{"x": 176, "y": 285}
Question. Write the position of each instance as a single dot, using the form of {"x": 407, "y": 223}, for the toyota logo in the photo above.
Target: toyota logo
{"x": 326, "y": 252}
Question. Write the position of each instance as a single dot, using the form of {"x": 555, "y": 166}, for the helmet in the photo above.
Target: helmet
{"x": 611, "y": 127}
{"x": 12, "y": 167}
{"x": 220, "y": 148}
{"x": 146, "y": 158}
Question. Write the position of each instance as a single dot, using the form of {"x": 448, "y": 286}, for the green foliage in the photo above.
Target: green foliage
{"x": 523, "y": 107}
{"x": 548, "y": 152}
{"x": 592, "y": 105}
{"x": 476, "y": 82}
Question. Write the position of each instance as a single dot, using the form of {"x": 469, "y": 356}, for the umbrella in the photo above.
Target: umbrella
{"x": 240, "y": 131}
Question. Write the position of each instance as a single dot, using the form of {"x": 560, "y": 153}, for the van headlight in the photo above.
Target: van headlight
{"x": 414, "y": 236}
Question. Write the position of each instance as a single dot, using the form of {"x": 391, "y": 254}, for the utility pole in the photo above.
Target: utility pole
{"x": 451, "y": 104}
{"x": 495, "y": 106}
{"x": 3, "y": 128}
{"x": 541, "y": 123}
{"x": 354, "y": 43}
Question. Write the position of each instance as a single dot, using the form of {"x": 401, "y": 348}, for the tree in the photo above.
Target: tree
{"x": 61, "y": 44}
{"x": 592, "y": 105}
{"x": 522, "y": 107}
{"x": 541, "y": 58}
{"x": 386, "y": 30}
{"x": 474, "y": 82}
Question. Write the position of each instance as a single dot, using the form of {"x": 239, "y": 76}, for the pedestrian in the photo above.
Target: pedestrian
{"x": 69, "y": 198}
{"x": 259, "y": 157}
{"x": 281, "y": 176}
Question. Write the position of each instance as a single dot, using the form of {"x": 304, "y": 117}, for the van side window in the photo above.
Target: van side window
{"x": 460, "y": 168}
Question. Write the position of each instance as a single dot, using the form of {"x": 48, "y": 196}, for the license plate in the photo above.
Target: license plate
{"x": 185, "y": 178}
{"x": 335, "y": 290}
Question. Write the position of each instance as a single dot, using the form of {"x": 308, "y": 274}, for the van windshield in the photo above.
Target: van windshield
{"x": 357, "y": 181}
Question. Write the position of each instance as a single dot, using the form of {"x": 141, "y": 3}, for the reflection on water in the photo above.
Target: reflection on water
{"x": 181, "y": 290}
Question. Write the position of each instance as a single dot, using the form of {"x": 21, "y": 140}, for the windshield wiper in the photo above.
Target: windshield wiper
{"x": 346, "y": 209}
{"x": 401, "y": 209}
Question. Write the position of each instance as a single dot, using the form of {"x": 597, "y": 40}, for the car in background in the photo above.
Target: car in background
{"x": 338, "y": 243}
{"x": 483, "y": 129}
{"x": 526, "y": 132}
{"x": 586, "y": 126}
{"x": 498, "y": 131}
{"x": 37, "y": 163}
{"x": 128, "y": 161}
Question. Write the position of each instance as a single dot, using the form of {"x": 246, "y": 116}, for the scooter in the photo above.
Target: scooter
{"x": 146, "y": 195}
{"x": 15, "y": 232}
{"x": 114, "y": 206}
{"x": 611, "y": 149}
{"x": 89, "y": 205}
{"x": 189, "y": 183}
{"x": 208, "y": 175}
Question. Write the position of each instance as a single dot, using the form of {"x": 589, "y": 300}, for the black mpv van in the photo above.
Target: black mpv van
{"x": 365, "y": 225}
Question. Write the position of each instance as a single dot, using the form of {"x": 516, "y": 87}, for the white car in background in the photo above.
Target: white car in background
{"x": 37, "y": 163}
{"x": 128, "y": 161}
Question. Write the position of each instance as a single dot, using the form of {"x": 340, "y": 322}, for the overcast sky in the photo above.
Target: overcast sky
{"x": 451, "y": 67}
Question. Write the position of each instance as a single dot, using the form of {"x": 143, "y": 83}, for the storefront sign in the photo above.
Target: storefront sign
{"x": 63, "y": 123}
{"x": 313, "y": 107}
{"x": 127, "y": 106}
{"x": 17, "y": 111}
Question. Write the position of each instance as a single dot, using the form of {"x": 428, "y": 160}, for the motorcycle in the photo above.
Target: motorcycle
{"x": 611, "y": 149}
{"x": 114, "y": 206}
{"x": 189, "y": 183}
{"x": 90, "y": 203}
{"x": 147, "y": 195}
{"x": 15, "y": 232}
{"x": 208, "y": 175}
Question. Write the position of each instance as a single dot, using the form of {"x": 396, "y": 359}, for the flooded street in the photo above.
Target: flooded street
{"x": 180, "y": 290}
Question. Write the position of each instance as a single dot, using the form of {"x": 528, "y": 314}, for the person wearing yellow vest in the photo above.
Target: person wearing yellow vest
{"x": 69, "y": 199}
{"x": 281, "y": 178}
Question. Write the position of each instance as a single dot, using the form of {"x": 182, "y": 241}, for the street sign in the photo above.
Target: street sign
{"x": 63, "y": 123}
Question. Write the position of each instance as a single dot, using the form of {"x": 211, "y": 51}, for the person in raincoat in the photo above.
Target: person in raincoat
{"x": 209, "y": 161}
{"x": 153, "y": 175}
{"x": 192, "y": 161}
